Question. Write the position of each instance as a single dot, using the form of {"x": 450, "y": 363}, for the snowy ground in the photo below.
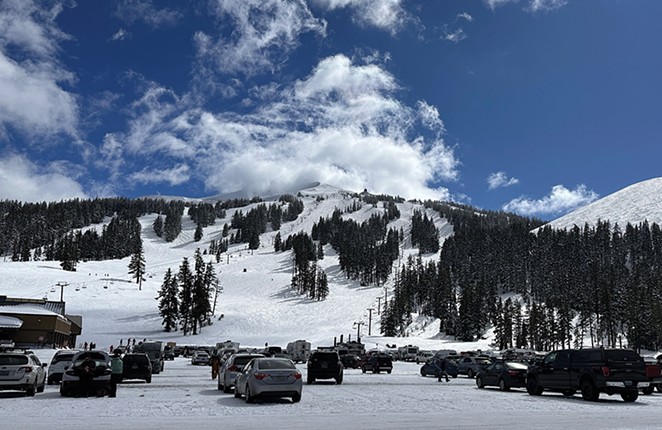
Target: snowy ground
{"x": 185, "y": 396}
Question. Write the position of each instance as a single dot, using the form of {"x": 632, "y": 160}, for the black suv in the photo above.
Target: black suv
{"x": 377, "y": 362}
{"x": 592, "y": 371}
{"x": 325, "y": 365}
{"x": 137, "y": 366}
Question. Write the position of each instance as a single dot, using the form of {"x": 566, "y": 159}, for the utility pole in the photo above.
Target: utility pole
{"x": 370, "y": 321}
{"x": 379, "y": 304}
{"x": 358, "y": 325}
{"x": 62, "y": 285}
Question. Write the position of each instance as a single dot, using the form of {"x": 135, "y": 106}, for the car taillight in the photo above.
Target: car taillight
{"x": 26, "y": 369}
{"x": 297, "y": 375}
{"x": 233, "y": 368}
{"x": 260, "y": 376}
{"x": 605, "y": 371}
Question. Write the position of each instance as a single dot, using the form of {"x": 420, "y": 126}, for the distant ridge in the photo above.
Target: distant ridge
{"x": 311, "y": 189}
{"x": 633, "y": 204}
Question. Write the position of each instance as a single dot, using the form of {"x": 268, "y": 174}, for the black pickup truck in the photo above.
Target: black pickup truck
{"x": 592, "y": 371}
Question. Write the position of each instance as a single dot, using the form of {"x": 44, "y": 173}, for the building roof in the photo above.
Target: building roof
{"x": 27, "y": 309}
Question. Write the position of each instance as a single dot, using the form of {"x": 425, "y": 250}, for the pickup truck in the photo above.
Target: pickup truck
{"x": 591, "y": 371}
{"x": 654, "y": 377}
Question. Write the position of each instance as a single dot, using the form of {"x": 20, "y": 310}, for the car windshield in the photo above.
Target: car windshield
{"x": 242, "y": 360}
{"x": 13, "y": 360}
{"x": 275, "y": 364}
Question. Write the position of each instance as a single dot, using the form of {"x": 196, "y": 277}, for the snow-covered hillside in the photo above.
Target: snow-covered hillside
{"x": 257, "y": 304}
{"x": 634, "y": 204}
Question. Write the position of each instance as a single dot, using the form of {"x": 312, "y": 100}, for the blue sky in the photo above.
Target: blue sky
{"x": 532, "y": 106}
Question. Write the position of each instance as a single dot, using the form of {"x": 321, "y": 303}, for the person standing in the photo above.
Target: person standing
{"x": 116, "y": 367}
{"x": 87, "y": 368}
{"x": 442, "y": 370}
{"x": 215, "y": 365}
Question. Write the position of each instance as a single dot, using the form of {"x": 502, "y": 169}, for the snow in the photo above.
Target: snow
{"x": 634, "y": 204}
{"x": 259, "y": 307}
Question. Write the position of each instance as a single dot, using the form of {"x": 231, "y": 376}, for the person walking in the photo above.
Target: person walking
{"x": 116, "y": 367}
{"x": 215, "y": 365}
{"x": 441, "y": 364}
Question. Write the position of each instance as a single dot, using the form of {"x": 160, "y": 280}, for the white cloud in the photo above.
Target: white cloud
{"x": 340, "y": 125}
{"x": 560, "y": 200}
{"x": 20, "y": 179}
{"x": 499, "y": 180}
{"x": 493, "y": 4}
{"x": 131, "y": 11}
{"x": 175, "y": 176}
{"x": 466, "y": 16}
{"x": 264, "y": 32}
{"x": 455, "y": 36}
{"x": 120, "y": 35}
{"x": 387, "y": 15}
{"x": 33, "y": 100}
{"x": 545, "y": 5}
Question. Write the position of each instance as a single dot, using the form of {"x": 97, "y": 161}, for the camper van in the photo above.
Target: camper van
{"x": 299, "y": 350}
{"x": 408, "y": 353}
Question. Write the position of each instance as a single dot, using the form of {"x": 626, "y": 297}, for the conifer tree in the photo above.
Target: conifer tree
{"x": 158, "y": 226}
{"x": 168, "y": 303}
{"x": 185, "y": 281}
{"x": 198, "y": 233}
{"x": 137, "y": 266}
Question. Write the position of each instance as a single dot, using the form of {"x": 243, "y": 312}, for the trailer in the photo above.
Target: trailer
{"x": 299, "y": 351}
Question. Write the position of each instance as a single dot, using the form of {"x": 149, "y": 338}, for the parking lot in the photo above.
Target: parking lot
{"x": 186, "y": 395}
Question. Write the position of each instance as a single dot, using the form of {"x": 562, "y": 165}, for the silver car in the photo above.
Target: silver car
{"x": 232, "y": 368}
{"x": 22, "y": 371}
{"x": 269, "y": 377}
{"x": 61, "y": 360}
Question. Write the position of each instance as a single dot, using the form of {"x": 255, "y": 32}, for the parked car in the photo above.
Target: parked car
{"x": 200, "y": 357}
{"x": 470, "y": 366}
{"x": 269, "y": 377}
{"x": 22, "y": 370}
{"x": 137, "y": 366}
{"x": 377, "y": 363}
{"x": 232, "y": 368}
{"x": 423, "y": 356}
{"x": 324, "y": 365}
{"x": 60, "y": 361}
{"x": 504, "y": 374}
{"x": 591, "y": 370}
{"x": 71, "y": 382}
{"x": 350, "y": 361}
{"x": 168, "y": 353}
{"x": 654, "y": 374}
{"x": 432, "y": 366}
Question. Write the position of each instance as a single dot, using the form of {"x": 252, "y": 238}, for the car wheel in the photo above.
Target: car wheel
{"x": 148, "y": 380}
{"x": 50, "y": 381}
{"x": 363, "y": 369}
{"x": 659, "y": 388}
{"x": 503, "y": 386}
{"x": 296, "y": 398}
{"x": 630, "y": 396}
{"x": 479, "y": 382}
{"x": 31, "y": 390}
{"x": 249, "y": 397}
{"x": 589, "y": 392}
{"x": 532, "y": 387}
{"x": 309, "y": 381}
{"x": 220, "y": 387}
{"x": 470, "y": 373}
{"x": 237, "y": 394}
{"x": 422, "y": 373}
{"x": 339, "y": 380}
{"x": 648, "y": 390}
{"x": 388, "y": 371}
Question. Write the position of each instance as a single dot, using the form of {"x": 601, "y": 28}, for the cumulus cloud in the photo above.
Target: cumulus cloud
{"x": 465, "y": 16}
{"x": 31, "y": 77}
{"x": 388, "y": 15}
{"x": 264, "y": 32}
{"x": 20, "y": 179}
{"x": 500, "y": 180}
{"x": 559, "y": 200}
{"x": 175, "y": 176}
{"x": 493, "y": 4}
{"x": 341, "y": 125}
{"x": 131, "y": 11}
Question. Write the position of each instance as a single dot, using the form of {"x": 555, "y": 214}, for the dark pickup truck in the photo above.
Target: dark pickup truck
{"x": 591, "y": 371}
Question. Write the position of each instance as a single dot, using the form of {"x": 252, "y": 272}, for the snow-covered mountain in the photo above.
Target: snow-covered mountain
{"x": 633, "y": 204}
{"x": 257, "y": 304}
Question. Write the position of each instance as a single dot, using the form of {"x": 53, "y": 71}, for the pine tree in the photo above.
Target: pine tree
{"x": 137, "y": 266}
{"x": 158, "y": 226}
{"x": 200, "y": 306}
{"x": 185, "y": 281}
{"x": 168, "y": 303}
{"x": 198, "y": 233}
